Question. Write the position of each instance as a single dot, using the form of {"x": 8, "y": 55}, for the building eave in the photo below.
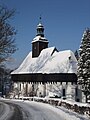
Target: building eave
{"x": 45, "y": 78}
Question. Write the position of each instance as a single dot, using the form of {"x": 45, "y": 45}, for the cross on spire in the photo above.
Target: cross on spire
{"x": 40, "y": 19}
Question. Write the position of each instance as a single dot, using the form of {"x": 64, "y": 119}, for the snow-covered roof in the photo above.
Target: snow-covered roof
{"x": 39, "y": 38}
{"x": 49, "y": 61}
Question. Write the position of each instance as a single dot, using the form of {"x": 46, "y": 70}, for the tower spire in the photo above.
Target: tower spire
{"x": 39, "y": 42}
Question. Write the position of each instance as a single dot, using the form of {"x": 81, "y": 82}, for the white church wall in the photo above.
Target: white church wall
{"x": 52, "y": 90}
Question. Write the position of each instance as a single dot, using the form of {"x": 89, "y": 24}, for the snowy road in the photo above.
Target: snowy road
{"x": 10, "y": 110}
{"x": 30, "y": 110}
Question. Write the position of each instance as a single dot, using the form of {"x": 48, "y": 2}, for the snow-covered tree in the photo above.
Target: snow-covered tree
{"x": 84, "y": 64}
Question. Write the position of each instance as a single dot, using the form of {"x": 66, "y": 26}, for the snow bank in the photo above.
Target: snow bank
{"x": 81, "y": 108}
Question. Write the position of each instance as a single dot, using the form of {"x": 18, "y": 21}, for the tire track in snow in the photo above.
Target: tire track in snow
{"x": 15, "y": 112}
{"x": 5, "y": 111}
{"x": 1, "y": 109}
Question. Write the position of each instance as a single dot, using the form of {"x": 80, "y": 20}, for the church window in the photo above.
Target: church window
{"x": 64, "y": 94}
{"x": 76, "y": 91}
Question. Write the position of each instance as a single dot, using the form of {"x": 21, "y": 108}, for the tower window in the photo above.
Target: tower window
{"x": 35, "y": 47}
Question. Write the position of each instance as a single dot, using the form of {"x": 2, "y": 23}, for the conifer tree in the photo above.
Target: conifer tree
{"x": 84, "y": 64}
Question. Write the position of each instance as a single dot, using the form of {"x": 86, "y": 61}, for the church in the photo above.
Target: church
{"x": 47, "y": 72}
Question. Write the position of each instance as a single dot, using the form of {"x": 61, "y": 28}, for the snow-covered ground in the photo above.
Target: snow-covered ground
{"x": 42, "y": 111}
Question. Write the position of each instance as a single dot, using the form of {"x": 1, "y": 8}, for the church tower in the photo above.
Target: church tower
{"x": 39, "y": 42}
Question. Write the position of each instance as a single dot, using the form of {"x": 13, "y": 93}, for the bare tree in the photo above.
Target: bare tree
{"x": 7, "y": 33}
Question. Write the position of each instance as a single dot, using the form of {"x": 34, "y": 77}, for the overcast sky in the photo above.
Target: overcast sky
{"x": 64, "y": 22}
